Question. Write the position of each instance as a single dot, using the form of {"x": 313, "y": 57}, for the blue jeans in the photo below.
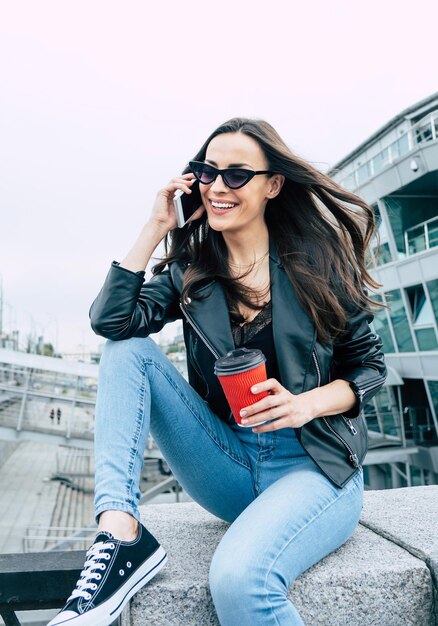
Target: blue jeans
{"x": 284, "y": 513}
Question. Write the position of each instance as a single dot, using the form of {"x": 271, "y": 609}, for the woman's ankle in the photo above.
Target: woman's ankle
{"x": 120, "y": 524}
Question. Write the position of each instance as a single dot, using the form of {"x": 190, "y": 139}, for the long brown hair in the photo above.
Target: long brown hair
{"x": 322, "y": 242}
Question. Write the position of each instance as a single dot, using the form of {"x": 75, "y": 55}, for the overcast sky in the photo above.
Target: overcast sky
{"x": 103, "y": 102}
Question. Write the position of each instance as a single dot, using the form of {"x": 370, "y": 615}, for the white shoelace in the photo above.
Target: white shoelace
{"x": 88, "y": 574}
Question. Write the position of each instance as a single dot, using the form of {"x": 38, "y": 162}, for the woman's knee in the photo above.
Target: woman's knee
{"x": 223, "y": 581}
{"x": 132, "y": 346}
{"x": 128, "y": 354}
{"x": 230, "y": 573}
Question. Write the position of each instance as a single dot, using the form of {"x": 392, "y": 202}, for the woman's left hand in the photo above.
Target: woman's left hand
{"x": 286, "y": 409}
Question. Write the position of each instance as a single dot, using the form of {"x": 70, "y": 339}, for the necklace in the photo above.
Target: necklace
{"x": 250, "y": 264}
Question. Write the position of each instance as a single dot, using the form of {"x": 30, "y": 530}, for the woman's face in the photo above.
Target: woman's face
{"x": 248, "y": 202}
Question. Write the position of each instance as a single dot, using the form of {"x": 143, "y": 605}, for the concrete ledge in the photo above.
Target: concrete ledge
{"x": 384, "y": 575}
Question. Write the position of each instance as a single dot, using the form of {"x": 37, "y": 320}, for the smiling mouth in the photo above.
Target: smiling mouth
{"x": 223, "y": 206}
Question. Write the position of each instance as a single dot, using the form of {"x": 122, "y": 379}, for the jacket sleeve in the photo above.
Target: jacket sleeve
{"x": 127, "y": 307}
{"x": 358, "y": 359}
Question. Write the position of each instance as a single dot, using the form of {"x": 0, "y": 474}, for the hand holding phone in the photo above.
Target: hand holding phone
{"x": 186, "y": 204}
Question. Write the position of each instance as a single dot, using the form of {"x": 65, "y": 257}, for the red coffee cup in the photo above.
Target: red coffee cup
{"x": 238, "y": 371}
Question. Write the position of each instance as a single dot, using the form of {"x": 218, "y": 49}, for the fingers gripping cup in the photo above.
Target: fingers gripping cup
{"x": 238, "y": 371}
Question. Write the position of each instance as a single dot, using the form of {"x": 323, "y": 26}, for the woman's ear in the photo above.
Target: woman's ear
{"x": 275, "y": 184}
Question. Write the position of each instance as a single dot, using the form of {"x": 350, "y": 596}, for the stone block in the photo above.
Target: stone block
{"x": 375, "y": 578}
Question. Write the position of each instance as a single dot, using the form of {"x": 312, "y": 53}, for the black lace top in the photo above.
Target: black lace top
{"x": 242, "y": 334}
{"x": 258, "y": 334}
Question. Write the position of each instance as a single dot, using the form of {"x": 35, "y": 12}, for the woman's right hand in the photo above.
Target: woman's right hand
{"x": 163, "y": 212}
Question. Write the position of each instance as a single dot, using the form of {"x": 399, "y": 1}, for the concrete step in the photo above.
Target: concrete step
{"x": 26, "y": 495}
{"x": 384, "y": 575}
{"x": 74, "y": 508}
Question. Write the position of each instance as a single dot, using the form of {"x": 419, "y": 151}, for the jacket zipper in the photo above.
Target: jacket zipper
{"x": 347, "y": 420}
{"x": 361, "y": 391}
{"x": 204, "y": 339}
{"x": 368, "y": 386}
{"x": 352, "y": 456}
{"x": 199, "y": 332}
{"x": 349, "y": 423}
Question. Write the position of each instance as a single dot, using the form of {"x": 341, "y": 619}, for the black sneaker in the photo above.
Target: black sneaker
{"x": 113, "y": 572}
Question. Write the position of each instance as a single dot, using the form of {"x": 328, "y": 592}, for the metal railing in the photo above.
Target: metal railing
{"x": 66, "y": 455}
{"x": 415, "y": 427}
{"x": 31, "y": 411}
{"x": 422, "y": 132}
{"x": 385, "y": 428}
{"x": 419, "y": 426}
{"x": 36, "y": 538}
{"x": 422, "y": 236}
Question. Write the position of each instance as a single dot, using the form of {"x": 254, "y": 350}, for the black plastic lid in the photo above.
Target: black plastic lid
{"x": 238, "y": 361}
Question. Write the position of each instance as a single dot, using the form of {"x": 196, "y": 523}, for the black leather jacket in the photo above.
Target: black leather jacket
{"x": 126, "y": 307}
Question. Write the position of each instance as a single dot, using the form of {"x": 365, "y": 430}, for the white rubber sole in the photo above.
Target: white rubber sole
{"x": 106, "y": 613}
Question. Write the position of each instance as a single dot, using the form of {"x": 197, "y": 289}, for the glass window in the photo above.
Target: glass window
{"x": 382, "y": 413}
{"x": 416, "y": 477}
{"x": 399, "y": 320}
{"x": 363, "y": 172}
{"x": 423, "y": 132}
{"x": 416, "y": 239}
{"x": 426, "y": 338}
{"x": 377, "y": 215}
{"x": 432, "y": 232}
{"x": 371, "y": 414}
{"x": 380, "y": 161}
{"x": 400, "y": 147}
{"x": 349, "y": 182}
{"x": 401, "y": 480}
{"x": 433, "y": 389}
{"x": 382, "y": 254}
{"x": 432, "y": 287}
{"x": 430, "y": 478}
{"x": 395, "y": 152}
{"x": 421, "y": 311}
{"x": 383, "y": 230}
{"x": 403, "y": 144}
{"x": 394, "y": 209}
{"x": 407, "y": 217}
{"x": 366, "y": 476}
{"x": 381, "y": 326}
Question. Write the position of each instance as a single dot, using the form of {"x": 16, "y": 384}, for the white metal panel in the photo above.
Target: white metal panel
{"x": 52, "y": 364}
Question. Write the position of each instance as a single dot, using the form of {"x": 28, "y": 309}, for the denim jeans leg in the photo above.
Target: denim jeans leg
{"x": 140, "y": 390}
{"x": 293, "y": 524}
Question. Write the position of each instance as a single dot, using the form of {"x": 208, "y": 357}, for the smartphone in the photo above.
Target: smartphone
{"x": 186, "y": 203}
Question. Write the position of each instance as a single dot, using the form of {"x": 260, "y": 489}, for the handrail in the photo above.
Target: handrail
{"x": 76, "y": 536}
{"x": 432, "y": 219}
{"x": 18, "y": 390}
{"x": 413, "y": 434}
{"x": 424, "y": 237}
{"x": 165, "y": 485}
{"x": 63, "y": 542}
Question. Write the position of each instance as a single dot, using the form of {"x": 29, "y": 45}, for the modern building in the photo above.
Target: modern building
{"x": 396, "y": 172}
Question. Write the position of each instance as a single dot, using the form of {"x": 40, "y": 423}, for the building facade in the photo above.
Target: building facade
{"x": 396, "y": 172}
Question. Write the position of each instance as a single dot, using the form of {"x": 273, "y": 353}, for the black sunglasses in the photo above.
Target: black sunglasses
{"x": 233, "y": 177}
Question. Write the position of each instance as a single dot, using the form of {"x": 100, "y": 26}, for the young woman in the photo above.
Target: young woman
{"x": 275, "y": 258}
